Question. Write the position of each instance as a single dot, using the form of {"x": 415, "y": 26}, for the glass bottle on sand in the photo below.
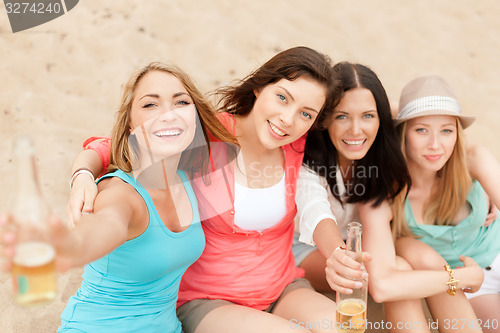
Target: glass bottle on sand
{"x": 351, "y": 308}
{"x": 33, "y": 267}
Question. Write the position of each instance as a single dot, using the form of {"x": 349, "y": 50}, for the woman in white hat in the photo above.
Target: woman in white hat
{"x": 447, "y": 203}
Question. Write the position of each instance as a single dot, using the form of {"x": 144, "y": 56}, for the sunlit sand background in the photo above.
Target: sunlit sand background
{"x": 61, "y": 81}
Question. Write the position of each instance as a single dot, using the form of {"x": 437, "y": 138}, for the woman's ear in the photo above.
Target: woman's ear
{"x": 256, "y": 92}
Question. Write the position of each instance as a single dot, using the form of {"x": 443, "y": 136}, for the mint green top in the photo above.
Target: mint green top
{"x": 469, "y": 237}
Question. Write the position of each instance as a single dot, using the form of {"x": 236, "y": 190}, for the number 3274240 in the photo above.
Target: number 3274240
{"x": 457, "y": 324}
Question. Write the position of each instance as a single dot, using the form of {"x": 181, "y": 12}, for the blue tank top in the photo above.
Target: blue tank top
{"x": 469, "y": 237}
{"x": 134, "y": 288}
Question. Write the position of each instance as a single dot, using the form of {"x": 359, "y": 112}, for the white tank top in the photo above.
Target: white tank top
{"x": 259, "y": 208}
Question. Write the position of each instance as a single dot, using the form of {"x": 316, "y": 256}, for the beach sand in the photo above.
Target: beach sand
{"x": 61, "y": 81}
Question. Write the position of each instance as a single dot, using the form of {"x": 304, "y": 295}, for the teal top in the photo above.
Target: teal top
{"x": 134, "y": 288}
{"x": 469, "y": 237}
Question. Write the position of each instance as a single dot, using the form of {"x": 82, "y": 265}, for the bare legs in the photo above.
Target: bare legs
{"x": 302, "y": 310}
{"x": 314, "y": 265}
{"x": 444, "y": 308}
{"x": 406, "y": 315}
{"x": 487, "y": 308}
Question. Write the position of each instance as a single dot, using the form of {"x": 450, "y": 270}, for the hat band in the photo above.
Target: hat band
{"x": 428, "y": 103}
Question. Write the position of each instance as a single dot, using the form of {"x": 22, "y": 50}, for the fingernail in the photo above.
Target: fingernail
{"x": 364, "y": 275}
{"x": 358, "y": 285}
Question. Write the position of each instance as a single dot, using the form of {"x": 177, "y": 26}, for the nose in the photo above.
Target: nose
{"x": 356, "y": 127}
{"x": 286, "y": 117}
{"x": 167, "y": 115}
{"x": 433, "y": 141}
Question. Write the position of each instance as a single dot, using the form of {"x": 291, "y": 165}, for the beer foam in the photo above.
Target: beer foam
{"x": 33, "y": 254}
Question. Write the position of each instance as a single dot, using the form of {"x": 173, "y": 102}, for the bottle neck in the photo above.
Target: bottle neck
{"x": 27, "y": 182}
{"x": 29, "y": 207}
{"x": 353, "y": 242}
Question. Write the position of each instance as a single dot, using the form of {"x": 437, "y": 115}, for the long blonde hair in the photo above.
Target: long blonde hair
{"x": 451, "y": 194}
{"x": 120, "y": 154}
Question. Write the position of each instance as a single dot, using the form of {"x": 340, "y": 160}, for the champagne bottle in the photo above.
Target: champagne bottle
{"x": 33, "y": 265}
{"x": 351, "y": 308}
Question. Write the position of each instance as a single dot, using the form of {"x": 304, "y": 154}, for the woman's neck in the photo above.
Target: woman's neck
{"x": 422, "y": 178}
{"x": 346, "y": 168}
{"x": 160, "y": 174}
{"x": 248, "y": 139}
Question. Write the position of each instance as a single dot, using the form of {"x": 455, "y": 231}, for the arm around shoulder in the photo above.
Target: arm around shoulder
{"x": 484, "y": 167}
{"x": 117, "y": 212}
{"x": 83, "y": 188}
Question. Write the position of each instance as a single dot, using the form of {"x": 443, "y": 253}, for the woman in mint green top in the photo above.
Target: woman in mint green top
{"x": 469, "y": 237}
{"x": 447, "y": 205}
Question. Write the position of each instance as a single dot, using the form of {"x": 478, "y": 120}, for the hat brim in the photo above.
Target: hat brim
{"x": 465, "y": 120}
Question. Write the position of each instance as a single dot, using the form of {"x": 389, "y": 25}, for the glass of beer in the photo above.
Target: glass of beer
{"x": 33, "y": 273}
{"x": 351, "y": 308}
{"x": 33, "y": 267}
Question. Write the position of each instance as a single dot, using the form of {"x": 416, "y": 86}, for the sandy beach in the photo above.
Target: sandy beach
{"x": 61, "y": 81}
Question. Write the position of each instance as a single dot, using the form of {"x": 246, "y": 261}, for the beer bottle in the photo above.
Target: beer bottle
{"x": 351, "y": 308}
{"x": 33, "y": 267}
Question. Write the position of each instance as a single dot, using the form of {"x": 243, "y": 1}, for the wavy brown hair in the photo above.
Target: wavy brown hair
{"x": 290, "y": 64}
{"x": 196, "y": 157}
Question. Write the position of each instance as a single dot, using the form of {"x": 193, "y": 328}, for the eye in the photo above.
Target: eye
{"x": 182, "y": 102}
{"x": 421, "y": 130}
{"x": 369, "y": 116}
{"x": 281, "y": 97}
{"x": 148, "y": 105}
{"x": 340, "y": 116}
{"x": 447, "y": 131}
{"x": 306, "y": 114}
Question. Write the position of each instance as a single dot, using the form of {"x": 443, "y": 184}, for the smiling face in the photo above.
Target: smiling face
{"x": 354, "y": 125}
{"x": 285, "y": 110}
{"x": 162, "y": 115}
{"x": 430, "y": 141}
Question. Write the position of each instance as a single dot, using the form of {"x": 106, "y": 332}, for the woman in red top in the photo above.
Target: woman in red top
{"x": 246, "y": 279}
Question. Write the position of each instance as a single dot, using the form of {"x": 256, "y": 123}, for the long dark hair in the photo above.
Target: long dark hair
{"x": 384, "y": 155}
{"x": 290, "y": 65}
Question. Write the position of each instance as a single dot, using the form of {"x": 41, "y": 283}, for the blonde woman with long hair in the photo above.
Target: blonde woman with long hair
{"x": 448, "y": 201}
{"x": 397, "y": 279}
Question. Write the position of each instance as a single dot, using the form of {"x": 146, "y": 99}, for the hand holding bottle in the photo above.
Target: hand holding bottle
{"x": 342, "y": 270}
{"x": 352, "y": 306}
{"x": 30, "y": 245}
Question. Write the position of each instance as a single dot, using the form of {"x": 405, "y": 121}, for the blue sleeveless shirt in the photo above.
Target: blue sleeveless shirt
{"x": 134, "y": 288}
{"x": 469, "y": 237}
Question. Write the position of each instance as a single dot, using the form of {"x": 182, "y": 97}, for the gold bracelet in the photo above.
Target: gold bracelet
{"x": 452, "y": 282}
